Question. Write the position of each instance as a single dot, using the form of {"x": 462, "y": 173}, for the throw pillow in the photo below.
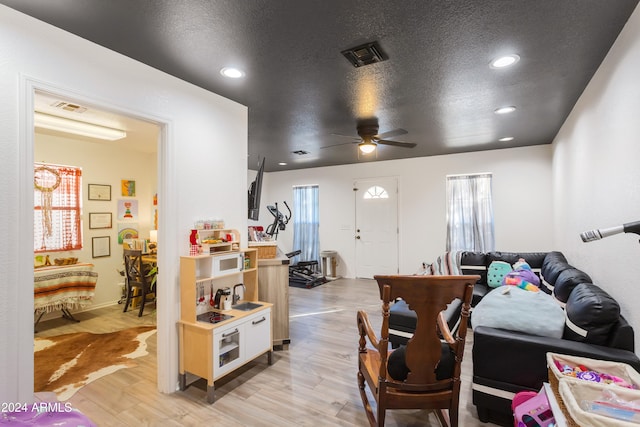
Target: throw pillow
{"x": 497, "y": 271}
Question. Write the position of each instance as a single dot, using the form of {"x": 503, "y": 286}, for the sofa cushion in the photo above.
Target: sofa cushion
{"x": 474, "y": 263}
{"x": 554, "y": 264}
{"x": 398, "y": 370}
{"x": 402, "y": 319}
{"x": 534, "y": 259}
{"x": 567, "y": 280}
{"x": 590, "y": 314}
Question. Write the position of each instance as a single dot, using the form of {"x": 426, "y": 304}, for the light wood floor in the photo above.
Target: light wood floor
{"x": 313, "y": 383}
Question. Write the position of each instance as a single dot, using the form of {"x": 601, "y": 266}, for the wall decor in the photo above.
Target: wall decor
{"x": 127, "y": 210}
{"x": 128, "y": 188}
{"x": 100, "y": 220}
{"x": 100, "y": 246}
{"x": 99, "y": 192}
{"x": 127, "y": 231}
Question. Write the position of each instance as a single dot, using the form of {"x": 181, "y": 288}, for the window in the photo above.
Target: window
{"x": 470, "y": 213}
{"x": 58, "y": 208}
{"x": 306, "y": 222}
{"x": 376, "y": 192}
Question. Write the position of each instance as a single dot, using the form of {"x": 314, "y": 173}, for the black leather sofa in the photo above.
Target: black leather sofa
{"x": 506, "y": 362}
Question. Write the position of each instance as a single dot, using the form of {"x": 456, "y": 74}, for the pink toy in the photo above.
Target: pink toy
{"x": 533, "y": 411}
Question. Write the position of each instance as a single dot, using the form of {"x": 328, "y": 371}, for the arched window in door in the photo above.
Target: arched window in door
{"x": 376, "y": 192}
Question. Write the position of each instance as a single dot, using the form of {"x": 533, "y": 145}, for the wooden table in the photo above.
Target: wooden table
{"x": 63, "y": 288}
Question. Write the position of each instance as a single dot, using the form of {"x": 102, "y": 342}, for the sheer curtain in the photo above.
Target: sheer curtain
{"x": 306, "y": 221}
{"x": 470, "y": 213}
{"x": 57, "y": 208}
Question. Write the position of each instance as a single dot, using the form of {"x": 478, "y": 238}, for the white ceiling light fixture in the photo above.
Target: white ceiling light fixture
{"x": 505, "y": 110}
{"x": 505, "y": 61}
{"x": 232, "y": 73}
{"x": 506, "y": 139}
{"x": 367, "y": 147}
{"x": 61, "y": 124}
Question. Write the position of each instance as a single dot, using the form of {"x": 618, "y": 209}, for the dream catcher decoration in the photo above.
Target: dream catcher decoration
{"x": 46, "y": 180}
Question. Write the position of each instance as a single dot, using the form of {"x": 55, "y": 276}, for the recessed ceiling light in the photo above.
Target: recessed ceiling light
{"x": 283, "y": 163}
{"x": 506, "y": 139}
{"x": 505, "y": 110}
{"x": 232, "y": 73}
{"x": 505, "y": 61}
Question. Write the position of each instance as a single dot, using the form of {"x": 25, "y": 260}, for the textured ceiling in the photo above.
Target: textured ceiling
{"x": 301, "y": 91}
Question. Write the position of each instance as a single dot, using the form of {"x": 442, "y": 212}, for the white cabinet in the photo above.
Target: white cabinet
{"x": 240, "y": 342}
{"x": 228, "y": 349}
{"x": 257, "y": 334}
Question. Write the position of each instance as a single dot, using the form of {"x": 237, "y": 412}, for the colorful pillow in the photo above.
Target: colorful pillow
{"x": 497, "y": 271}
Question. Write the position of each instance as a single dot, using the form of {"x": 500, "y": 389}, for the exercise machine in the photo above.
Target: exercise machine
{"x": 304, "y": 274}
{"x": 280, "y": 220}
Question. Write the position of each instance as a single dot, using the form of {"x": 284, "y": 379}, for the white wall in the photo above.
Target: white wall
{"x": 101, "y": 163}
{"x": 597, "y": 175}
{"x": 521, "y": 193}
{"x": 198, "y": 127}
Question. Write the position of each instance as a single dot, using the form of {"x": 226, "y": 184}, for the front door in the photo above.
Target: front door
{"x": 376, "y": 235}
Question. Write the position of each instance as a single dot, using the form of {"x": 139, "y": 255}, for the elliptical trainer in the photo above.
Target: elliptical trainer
{"x": 280, "y": 220}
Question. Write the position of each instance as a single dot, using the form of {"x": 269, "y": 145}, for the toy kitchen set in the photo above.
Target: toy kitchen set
{"x": 222, "y": 324}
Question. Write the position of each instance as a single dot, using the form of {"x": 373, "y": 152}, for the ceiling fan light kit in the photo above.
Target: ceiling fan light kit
{"x": 367, "y": 147}
{"x": 61, "y": 124}
{"x": 368, "y": 137}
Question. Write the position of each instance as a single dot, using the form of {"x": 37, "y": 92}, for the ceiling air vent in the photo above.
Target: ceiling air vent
{"x": 368, "y": 53}
{"x": 67, "y": 106}
{"x": 300, "y": 152}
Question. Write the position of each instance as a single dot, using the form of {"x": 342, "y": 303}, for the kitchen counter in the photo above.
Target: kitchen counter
{"x": 235, "y": 315}
{"x": 273, "y": 287}
{"x": 281, "y": 258}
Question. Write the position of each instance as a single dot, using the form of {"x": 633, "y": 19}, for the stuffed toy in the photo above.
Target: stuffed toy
{"x": 522, "y": 277}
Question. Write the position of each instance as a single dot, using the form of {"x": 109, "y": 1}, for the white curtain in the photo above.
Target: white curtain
{"x": 306, "y": 221}
{"x": 470, "y": 213}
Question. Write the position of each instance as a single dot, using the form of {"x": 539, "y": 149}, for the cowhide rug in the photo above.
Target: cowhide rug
{"x": 65, "y": 363}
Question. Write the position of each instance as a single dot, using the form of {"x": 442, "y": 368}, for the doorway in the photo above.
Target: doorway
{"x": 132, "y": 158}
{"x": 376, "y": 225}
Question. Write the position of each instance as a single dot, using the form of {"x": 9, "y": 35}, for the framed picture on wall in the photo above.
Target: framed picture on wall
{"x": 100, "y": 220}
{"x": 99, "y": 192}
{"x": 100, "y": 246}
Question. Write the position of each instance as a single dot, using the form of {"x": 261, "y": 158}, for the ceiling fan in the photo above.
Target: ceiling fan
{"x": 370, "y": 138}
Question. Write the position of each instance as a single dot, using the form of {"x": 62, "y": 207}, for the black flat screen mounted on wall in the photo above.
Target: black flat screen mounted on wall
{"x": 254, "y": 193}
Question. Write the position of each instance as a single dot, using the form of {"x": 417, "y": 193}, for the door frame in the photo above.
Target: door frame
{"x": 167, "y": 339}
{"x": 355, "y": 213}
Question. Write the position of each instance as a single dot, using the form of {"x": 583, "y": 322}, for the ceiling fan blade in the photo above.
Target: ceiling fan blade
{"x": 336, "y": 145}
{"x": 392, "y": 133}
{"x": 355, "y": 138}
{"x": 397, "y": 143}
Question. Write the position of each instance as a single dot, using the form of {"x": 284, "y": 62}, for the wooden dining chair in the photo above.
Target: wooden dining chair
{"x": 426, "y": 373}
{"x": 137, "y": 275}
